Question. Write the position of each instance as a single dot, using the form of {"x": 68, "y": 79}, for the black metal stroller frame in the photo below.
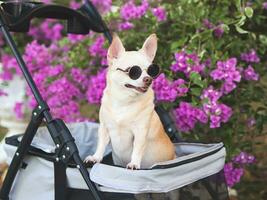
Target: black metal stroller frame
{"x": 17, "y": 17}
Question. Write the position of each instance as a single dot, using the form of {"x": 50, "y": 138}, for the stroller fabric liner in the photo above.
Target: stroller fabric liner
{"x": 194, "y": 162}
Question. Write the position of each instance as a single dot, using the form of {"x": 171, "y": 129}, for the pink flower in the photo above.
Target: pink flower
{"x": 186, "y": 116}
{"x": 96, "y": 87}
{"x": 159, "y": 13}
{"x": 187, "y": 63}
{"x": 130, "y": 11}
{"x": 168, "y": 91}
{"x": 227, "y": 72}
{"x": 250, "y": 74}
{"x": 126, "y": 25}
{"x": 250, "y": 57}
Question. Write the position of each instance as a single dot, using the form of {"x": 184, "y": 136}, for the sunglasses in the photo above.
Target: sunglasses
{"x": 135, "y": 71}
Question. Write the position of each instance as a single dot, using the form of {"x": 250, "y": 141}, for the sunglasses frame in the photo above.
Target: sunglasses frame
{"x": 129, "y": 69}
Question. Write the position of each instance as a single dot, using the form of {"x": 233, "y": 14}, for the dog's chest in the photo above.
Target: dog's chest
{"x": 118, "y": 122}
{"x": 119, "y": 115}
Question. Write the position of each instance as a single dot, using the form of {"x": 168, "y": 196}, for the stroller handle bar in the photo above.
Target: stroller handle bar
{"x": 17, "y": 16}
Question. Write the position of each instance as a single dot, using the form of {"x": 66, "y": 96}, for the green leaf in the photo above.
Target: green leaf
{"x": 196, "y": 91}
{"x": 240, "y": 30}
{"x": 179, "y": 43}
{"x": 249, "y": 12}
{"x": 196, "y": 79}
{"x": 194, "y": 101}
{"x": 242, "y": 21}
{"x": 238, "y": 4}
{"x": 194, "y": 76}
{"x": 225, "y": 27}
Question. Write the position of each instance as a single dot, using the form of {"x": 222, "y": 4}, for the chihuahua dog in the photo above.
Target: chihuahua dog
{"x": 127, "y": 116}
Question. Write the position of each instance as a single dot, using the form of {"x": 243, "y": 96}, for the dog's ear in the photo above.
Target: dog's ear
{"x": 116, "y": 48}
{"x": 150, "y": 47}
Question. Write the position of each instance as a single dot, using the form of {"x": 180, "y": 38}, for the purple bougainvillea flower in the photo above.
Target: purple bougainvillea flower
{"x": 126, "y": 26}
{"x": 168, "y": 91}
{"x": 186, "y": 116}
{"x": 250, "y": 74}
{"x": 232, "y": 174}
{"x": 96, "y": 86}
{"x": 49, "y": 30}
{"x": 227, "y": 71}
{"x": 130, "y": 11}
{"x": 97, "y": 50}
{"x": 207, "y": 24}
{"x": 218, "y": 31}
{"x": 159, "y": 13}
{"x": 250, "y": 57}
{"x": 187, "y": 63}
{"x": 244, "y": 158}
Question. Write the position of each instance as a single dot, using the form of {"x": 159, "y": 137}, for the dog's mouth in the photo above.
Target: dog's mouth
{"x": 139, "y": 89}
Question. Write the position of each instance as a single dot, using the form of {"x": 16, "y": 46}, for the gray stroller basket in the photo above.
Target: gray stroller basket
{"x": 196, "y": 173}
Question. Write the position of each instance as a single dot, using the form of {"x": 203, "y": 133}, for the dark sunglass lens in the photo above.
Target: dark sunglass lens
{"x": 135, "y": 72}
{"x": 153, "y": 70}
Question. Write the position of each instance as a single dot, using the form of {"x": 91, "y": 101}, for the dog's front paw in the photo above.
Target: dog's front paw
{"x": 92, "y": 159}
{"x": 133, "y": 166}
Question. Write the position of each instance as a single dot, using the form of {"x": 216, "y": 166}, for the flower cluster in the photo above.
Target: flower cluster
{"x": 102, "y": 6}
{"x": 48, "y": 30}
{"x": 168, "y": 91}
{"x": 244, "y": 158}
{"x": 9, "y": 67}
{"x": 131, "y": 11}
{"x": 232, "y": 174}
{"x": 264, "y": 5}
{"x": 250, "y": 57}
{"x": 64, "y": 103}
{"x": 234, "y": 170}
{"x": 80, "y": 76}
{"x": 226, "y": 71}
{"x": 159, "y": 13}
{"x": 216, "y": 111}
{"x": 187, "y": 116}
{"x": 96, "y": 86}
{"x": 187, "y": 63}
{"x": 217, "y": 29}
{"x": 97, "y": 50}
{"x": 74, "y": 4}
{"x": 53, "y": 80}
{"x": 37, "y": 56}
{"x": 74, "y": 38}
{"x": 125, "y": 25}
{"x": 250, "y": 74}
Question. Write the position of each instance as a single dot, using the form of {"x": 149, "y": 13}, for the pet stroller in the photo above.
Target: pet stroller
{"x": 45, "y": 163}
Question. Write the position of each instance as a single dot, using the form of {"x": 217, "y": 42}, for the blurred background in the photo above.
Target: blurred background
{"x": 213, "y": 59}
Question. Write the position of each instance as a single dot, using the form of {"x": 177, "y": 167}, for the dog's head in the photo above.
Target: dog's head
{"x": 132, "y": 70}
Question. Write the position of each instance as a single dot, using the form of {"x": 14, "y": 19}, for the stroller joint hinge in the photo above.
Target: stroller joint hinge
{"x": 38, "y": 111}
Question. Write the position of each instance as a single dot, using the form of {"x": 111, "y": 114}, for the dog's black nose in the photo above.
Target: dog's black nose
{"x": 147, "y": 80}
